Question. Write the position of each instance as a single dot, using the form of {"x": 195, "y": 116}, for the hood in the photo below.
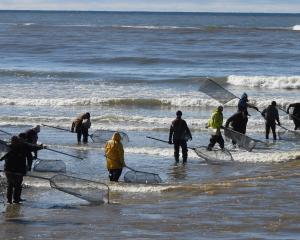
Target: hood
{"x": 116, "y": 137}
{"x": 244, "y": 96}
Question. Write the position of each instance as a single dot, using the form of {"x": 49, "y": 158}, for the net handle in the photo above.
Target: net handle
{"x": 160, "y": 140}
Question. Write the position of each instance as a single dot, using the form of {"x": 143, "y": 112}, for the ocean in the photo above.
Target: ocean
{"x": 132, "y": 71}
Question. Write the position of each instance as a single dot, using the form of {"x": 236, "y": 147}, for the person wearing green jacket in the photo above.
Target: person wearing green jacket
{"x": 215, "y": 123}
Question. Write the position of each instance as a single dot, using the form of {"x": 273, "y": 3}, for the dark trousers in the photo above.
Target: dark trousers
{"x": 273, "y": 128}
{"x": 14, "y": 187}
{"x": 183, "y": 145}
{"x": 216, "y": 139}
{"x": 114, "y": 174}
{"x": 81, "y": 131}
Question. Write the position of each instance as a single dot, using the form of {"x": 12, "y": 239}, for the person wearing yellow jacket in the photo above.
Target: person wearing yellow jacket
{"x": 114, "y": 153}
{"x": 215, "y": 123}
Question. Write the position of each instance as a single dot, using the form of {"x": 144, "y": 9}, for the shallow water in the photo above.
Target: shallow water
{"x": 133, "y": 71}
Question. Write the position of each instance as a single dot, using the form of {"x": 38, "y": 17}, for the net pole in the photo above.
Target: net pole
{"x": 59, "y": 128}
{"x": 63, "y": 153}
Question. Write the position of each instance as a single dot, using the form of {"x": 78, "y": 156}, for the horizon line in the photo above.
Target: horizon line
{"x": 140, "y": 11}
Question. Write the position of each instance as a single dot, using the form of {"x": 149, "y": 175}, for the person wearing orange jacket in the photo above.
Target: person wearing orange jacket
{"x": 114, "y": 153}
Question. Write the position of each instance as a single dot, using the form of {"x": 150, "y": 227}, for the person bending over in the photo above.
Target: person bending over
{"x": 81, "y": 126}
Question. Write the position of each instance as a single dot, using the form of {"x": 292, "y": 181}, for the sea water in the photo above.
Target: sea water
{"x": 133, "y": 71}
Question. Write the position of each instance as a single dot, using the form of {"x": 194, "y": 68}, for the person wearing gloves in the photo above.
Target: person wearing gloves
{"x": 114, "y": 153}
{"x": 179, "y": 135}
{"x": 271, "y": 116}
{"x": 215, "y": 123}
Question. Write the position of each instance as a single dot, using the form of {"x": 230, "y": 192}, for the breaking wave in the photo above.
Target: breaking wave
{"x": 275, "y": 82}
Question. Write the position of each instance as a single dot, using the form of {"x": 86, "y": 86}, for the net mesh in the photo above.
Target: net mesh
{"x": 214, "y": 90}
{"x": 93, "y": 192}
{"x": 289, "y": 135}
{"x": 102, "y": 136}
{"x": 133, "y": 176}
{"x": 215, "y": 156}
{"x": 3, "y": 148}
{"x": 47, "y": 165}
{"x": 241, "y": 139}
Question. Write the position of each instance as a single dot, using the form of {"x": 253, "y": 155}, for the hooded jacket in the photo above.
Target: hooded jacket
{"x": 114, "y": 153}
{"x": 216, "y": 121}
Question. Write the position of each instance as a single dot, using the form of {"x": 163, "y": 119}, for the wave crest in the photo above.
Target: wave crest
{"x": 280, "y": 82}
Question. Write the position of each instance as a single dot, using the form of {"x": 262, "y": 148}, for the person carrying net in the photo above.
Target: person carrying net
{"x": 215, "y": 123}
{"x": 180, "y": 134}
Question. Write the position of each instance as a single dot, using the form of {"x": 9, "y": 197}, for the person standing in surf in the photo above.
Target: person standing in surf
{"x": 179, "y": 135}
{"x": 243, "y": 107}
{"x": 114, "y": 153}
{"x": 31, "y": 136}
{"x": 271, "y": 116}
{"x": 81, "y": 126}
{"x": 15, "y": 167}
{"x": 215, "y": 123}
{"x": 295, "y": 115}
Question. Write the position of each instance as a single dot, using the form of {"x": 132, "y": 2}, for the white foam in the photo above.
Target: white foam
{"x": 266, "y": 156}
{"x": 285, "y": 82}
{"x": 296, "y": 28}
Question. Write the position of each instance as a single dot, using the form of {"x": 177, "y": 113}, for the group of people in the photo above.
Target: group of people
{"x": 180, "y": 133}
{"x": 24, "y": 147}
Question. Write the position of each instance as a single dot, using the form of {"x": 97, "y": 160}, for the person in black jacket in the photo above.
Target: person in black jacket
{"x": 179, "y": 135}
{"x": 15, "y": 167}
{"x": 271, "y": 116}
{"x": 238, "y": 122}
{"x": 31, "y": 136}
{"x": 295, "y": 115}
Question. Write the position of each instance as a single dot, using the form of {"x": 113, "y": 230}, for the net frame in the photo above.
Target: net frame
{"x": 242, "y": 140}
{"x": 58, "y": 180}
{"x": 202, "y": 152}
{"x": 47, "y": 165}
{"x": 216, "y": 91}
{"x": 102, "y": 136}
{"x": 134, "y": 176}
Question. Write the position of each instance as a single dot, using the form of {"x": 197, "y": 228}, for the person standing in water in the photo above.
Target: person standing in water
{"x": 295, "y": 115}
{"x": 243, "y": 106}
{"x": 215, "y": 123}
{"x": 271, "y": 116}
{"x": 81, "y": 126}
{"x": 114, "y": 153}
{"x": 31, "y": 136}
{"x": 15, "y": 167}
{"x": 179, "y": 135}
